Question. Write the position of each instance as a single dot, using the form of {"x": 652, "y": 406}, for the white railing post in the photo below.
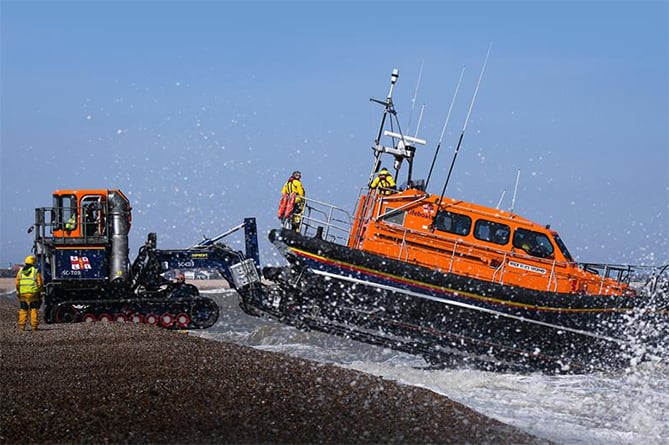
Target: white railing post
{"x": 455, "y": 247}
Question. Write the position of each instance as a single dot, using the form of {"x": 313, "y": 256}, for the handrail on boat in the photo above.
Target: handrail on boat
{"x": 552, "y": 277}
{"x": 405, "y": 247}
{"x": 619, "y": 272}
{"x": 397, "y": 210}
{"x": 636, "y": 276}
{"x": 500, "y": 269}
{"x": 325, "y": 221}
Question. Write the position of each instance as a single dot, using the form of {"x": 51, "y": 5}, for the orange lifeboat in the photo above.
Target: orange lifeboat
{"x": 456, "y": 281}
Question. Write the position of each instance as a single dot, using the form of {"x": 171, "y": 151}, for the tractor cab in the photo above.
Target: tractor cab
{"x": 82, "y": 213}
{"x": 83, "y": 235}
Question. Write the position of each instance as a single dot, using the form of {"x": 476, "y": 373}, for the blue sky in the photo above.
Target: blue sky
{"x": 199, "y": 111}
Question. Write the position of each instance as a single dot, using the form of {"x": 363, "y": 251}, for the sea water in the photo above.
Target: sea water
{"x": 624, "y": 407}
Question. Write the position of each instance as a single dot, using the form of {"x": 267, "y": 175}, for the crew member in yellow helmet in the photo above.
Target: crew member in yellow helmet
{"x": 29, "y": 292}
{"x": 384, "y": 182}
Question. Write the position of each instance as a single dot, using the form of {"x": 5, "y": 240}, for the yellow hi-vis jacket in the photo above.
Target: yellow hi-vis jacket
{"x": 28, "y": 282}
{"x": 384, "y": 181}
{"x": 293, "y": 186}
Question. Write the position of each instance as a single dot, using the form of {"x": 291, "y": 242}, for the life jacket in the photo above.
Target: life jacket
{"x": 28, "y": 281}
{"x": 292, "y": 194}
{"x": 286, "y": 205}
{"x": 385, "y": 182}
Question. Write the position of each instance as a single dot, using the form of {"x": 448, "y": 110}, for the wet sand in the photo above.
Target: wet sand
{"x": 126, "y": 383}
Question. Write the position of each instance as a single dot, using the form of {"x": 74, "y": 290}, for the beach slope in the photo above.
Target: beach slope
{"x": 126, "y": 383}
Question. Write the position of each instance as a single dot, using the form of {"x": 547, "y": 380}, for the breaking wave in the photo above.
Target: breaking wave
{"x": 626, "y": 407}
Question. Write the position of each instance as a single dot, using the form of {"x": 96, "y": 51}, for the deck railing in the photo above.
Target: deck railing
{"x": 649, "y": 277}
{"x": 326, "y": 221}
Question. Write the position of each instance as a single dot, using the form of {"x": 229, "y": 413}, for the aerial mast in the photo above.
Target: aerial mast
{"x": 515, "y": 190}
{"x": 403, "y": 149}
{"x": 389, "y": 108}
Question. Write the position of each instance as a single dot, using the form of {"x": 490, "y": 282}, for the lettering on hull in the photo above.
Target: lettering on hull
{"x": 527, "y": 267}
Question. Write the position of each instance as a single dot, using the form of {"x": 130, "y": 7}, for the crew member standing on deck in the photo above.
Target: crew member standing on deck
{"x": 291, "y": 205}
{"x": 29, "y": 292}
{"x": 384, "y": 181}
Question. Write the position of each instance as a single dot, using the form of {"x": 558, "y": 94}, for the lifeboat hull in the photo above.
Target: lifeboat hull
{"x": 448, "y": 318}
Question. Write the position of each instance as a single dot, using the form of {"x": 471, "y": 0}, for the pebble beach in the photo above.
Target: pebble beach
{"x": 129, "y": 384}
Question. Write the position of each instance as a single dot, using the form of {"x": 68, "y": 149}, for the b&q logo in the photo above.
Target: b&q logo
{"x": 79, "y": 263}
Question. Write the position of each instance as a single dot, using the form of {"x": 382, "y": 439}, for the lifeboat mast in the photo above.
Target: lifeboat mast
{"x": 404, "y": 148}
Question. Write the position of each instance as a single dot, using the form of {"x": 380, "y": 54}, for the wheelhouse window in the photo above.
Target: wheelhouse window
{"x": 492, "y": 232}
{"x": 453, "y": 223}
{"x": 394, "y": 216}
{"x": 562, "y": 247}
{"x": 533, "y": 243}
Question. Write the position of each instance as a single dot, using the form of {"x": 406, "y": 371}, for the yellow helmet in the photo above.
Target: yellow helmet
{"x": 30, "y": 259}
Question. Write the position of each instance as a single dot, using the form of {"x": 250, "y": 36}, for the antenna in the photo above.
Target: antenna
{"x": 393, "y": 80}
{"x": 420, "y": 118}
{"x": 513, "y": 201}
{"x": 500, "y": 199}
{"x": 464, "y": 127}
{"x": 443, "y": 130}
{"x": 415, "y": 94}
